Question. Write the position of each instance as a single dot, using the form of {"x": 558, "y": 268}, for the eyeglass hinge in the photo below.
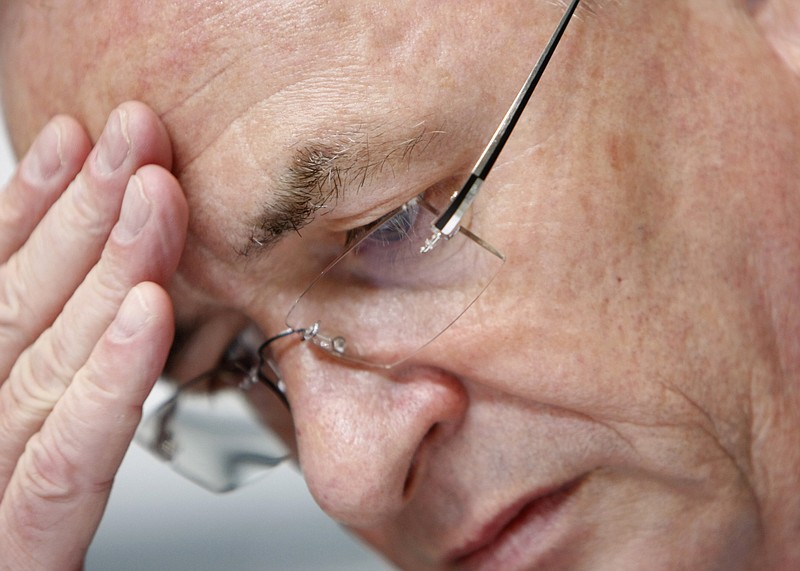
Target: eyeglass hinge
{"x": 447, "y": 225}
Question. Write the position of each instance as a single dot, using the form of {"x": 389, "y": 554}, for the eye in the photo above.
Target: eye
{"x": 390, "y": 229}
{"x": 387, "y": 251}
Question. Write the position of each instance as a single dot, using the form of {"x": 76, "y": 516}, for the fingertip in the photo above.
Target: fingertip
{"x": 140, "y": 336}
{"x": 156, "y": 299}
{"x": 50, "y": 164}
{"x": 159, "y": 304}
{"x": 145, "y": 305}
{"x": 164, "y": 191}
{"x": 132, "y": 317}
{"x": 148, "y": 133}
{"x": 44, "y": 159}
{"x": 162, "y": 182}
{"x": 56, "y": 154}
{"x": 75, "y": 140}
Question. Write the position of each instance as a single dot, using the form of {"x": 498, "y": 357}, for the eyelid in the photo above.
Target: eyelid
{"x": 437, "y": 196}
{"x": 355, "y": 234}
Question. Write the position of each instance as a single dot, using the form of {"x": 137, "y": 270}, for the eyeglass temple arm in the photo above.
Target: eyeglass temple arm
{"x": 447, "y": 224}
{"x": 265, "y": 360}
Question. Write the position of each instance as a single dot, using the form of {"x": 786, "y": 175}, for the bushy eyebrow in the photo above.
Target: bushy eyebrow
{"x": 321, "y": 172}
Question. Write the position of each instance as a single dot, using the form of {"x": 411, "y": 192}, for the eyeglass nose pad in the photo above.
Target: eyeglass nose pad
{"x": 336, "y": 345}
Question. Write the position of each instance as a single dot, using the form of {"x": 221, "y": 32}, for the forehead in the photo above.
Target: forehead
{"x": 240, "y": 84}
{"x": 308, "y": 67}
{"x": 192, "y": 54}
{"x": 276, "y": 79}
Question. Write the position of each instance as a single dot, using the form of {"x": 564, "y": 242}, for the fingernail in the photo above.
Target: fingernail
{"x": 132, "y": 316}
{"x": 44, "y": 159}
{"x": 114, "y": 144}
{"x": 135, "y": 211}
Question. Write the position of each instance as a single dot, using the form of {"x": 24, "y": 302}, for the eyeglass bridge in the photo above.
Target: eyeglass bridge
{"x": 335, "y": 345}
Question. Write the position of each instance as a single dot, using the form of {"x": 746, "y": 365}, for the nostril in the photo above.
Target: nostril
{"x": 418, "y": 462}
{"x": 411, "y": 480}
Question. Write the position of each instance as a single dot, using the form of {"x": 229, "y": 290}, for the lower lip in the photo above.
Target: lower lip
{"x": 527, "y": 540}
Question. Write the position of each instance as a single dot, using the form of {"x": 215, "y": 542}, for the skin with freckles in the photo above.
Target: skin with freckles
{"x": 639, "y": 349}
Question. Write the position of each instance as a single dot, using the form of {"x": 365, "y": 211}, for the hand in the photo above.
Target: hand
{"x": 88, "y": 240}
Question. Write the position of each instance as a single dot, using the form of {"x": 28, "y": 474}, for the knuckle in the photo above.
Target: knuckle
{"x": 48, "y": 474}
{"x": 54, "y": 361}
{"x": 12, "y": 214}
{"x": 82, "y": 210}
{"x": 110, "y": 284}
{"x": 14, "y": 304}
{"x": 30, "y": 396}
{"x": 18, "y": 541}
{"x": 54, "y": 470}
{"x": 107, "y": 400}
{"x": 95, "y": 394}
{"x": 38, "y": 501}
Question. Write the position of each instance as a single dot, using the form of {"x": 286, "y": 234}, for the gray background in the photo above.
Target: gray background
{"x": 158, "y": 521}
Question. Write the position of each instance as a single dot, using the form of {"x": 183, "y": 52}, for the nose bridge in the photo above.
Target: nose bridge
{"x": 364, "y": 436}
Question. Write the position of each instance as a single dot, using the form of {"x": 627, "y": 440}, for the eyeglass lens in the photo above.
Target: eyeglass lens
{"x": 220, "y": 430}
{"x": 383, "y": 299}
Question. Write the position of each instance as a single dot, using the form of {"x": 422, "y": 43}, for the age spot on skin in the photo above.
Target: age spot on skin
{"x": 621, "y": 152}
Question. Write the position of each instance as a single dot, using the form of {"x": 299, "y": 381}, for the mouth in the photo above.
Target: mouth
{"x": 518, "y": 536}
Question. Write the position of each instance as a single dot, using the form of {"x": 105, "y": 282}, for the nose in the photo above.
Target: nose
{"x": 365, "y": 437}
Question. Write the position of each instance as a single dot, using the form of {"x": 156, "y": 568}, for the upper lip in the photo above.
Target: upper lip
{"x": 485, "y": 534}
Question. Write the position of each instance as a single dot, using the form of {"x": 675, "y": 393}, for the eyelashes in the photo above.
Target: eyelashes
{"x": 392, "y": 228}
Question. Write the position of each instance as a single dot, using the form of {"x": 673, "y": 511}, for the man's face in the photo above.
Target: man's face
{"x": 592, "y": 410}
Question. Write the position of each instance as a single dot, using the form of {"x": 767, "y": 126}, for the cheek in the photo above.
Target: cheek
{"x": 605, "y": 314}
{"x": 591, "y": 311}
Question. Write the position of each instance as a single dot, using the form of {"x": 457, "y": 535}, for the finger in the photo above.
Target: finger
{"x": 39, "y": 278}
{"x": 52, "y": 162}
{"x": 59, "y": 490}
{"x": 144, "y": 246}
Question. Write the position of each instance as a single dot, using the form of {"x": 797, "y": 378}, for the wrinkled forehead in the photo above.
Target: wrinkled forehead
{"x": 235, "y": 80}
{"x": 200, "y": 64}
{"x": 169, "y": 54}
